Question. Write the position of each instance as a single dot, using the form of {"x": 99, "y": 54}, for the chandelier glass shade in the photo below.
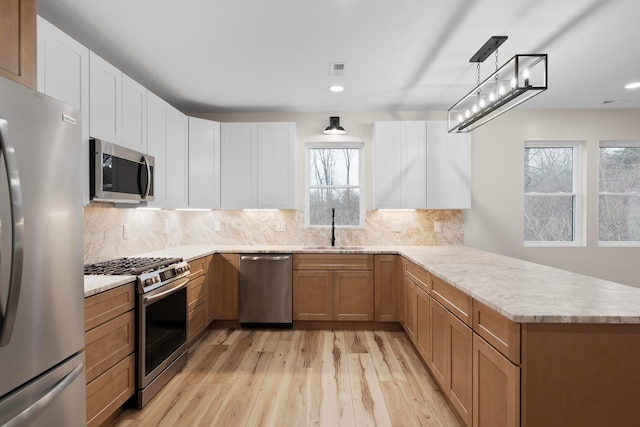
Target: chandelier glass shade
{"x": 521, "y": 78}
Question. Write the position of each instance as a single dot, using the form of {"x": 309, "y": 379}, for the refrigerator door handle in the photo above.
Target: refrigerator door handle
{"x": 33, "y": 410}
{"x": 8, "y": 315}
{"x": 148, "y": 189}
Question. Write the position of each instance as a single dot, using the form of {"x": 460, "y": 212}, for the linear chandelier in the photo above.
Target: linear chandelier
{"x": 521, "y": 78}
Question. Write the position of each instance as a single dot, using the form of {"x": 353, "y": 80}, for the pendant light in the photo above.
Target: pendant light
{"x": 334, "y": 127}
{"x": 521, "y": 78}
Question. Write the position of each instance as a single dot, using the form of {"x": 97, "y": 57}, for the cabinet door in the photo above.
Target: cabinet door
{"x": 18, "y": 41}
{"x": 402, "y": 299}
{"x": 276, "y": 165}
{"x": 448, "y": 168}
{"x": 460, "y": 381}
{"x": 226, "y": 286}
{"x": 414, "y": 165}
{"x": 423, "y": 324}
{"x": 312, "y": 295}
{"x": 238, "y": 165}
{"x": 204, "y": 164}
{"x": 353, "y": 295}
{"x": 387, "y": 165}
{"x": 386, "y": 275}
{"x": 411, "y": 304}
{"x": 177, "y": 159}
{"x": 105, "y": 100}
{"x": 63, "y": 74}
{"x": 157, "y": 147}
{"x": 496, "y": 388}
{"x": 440, "y": 349}
{"x": 134, "y": 114}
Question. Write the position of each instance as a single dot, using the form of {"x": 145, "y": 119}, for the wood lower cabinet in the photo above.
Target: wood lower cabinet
{"x": 496, "y": 387}
{"x": 423, "y": 323}
{"x": 353, "y": 295}
{"x": 109, "y": 348}
{"x": 197, "y": 297}
{"x": 386, "y": 287}
{"x": 333, "y": 287}
{"x": 411, "y": 300}
{"x": 18, "y": 44}
{"x": 312, "y": 295}
{"x": 225, "y": 286}
{"x": 451, "y": 358}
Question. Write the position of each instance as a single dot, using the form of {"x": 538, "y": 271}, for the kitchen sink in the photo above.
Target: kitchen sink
{"x": 335, "y": 248}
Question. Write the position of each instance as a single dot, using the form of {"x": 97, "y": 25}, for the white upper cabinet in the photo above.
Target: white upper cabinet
{"x": 276, "y": 165}
{"x": 448, "y": 168}
{"x": 118, "y": 106}
{"x": 204, "y": 164}
{"x": 63, "y": 74}
{"x": 105, "y": 103}
{"x": 157, "y": 110}
{"x": 134, "y": 114}
{"x": 418, "y": 165}
{"x": 238, "y": 165}
{"x": 257, "y": 165}
{"x": 177, "y": 159}
{"x": 400, "y": 165}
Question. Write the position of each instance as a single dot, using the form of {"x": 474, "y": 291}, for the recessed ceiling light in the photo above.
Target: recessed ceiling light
{"x": 336, "y": 88}
{"x": 634, "y": 85}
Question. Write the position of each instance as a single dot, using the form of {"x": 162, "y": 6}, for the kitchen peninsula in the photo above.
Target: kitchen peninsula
{"x": 550, "y": 347}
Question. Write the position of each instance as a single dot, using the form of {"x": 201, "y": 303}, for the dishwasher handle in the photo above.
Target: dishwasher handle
{"x": 264, "y": 257}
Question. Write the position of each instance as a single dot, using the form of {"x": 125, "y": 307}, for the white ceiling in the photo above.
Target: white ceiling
{"x": 401, "y": 55}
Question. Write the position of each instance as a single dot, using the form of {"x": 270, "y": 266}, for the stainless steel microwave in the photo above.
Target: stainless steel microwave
{"x": 119, "y": 174}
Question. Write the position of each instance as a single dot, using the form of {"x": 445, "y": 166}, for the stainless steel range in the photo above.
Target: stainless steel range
{"x": 162, "y": 318}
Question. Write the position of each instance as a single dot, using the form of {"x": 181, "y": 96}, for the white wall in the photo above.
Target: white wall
{"x": 496, "y": 220}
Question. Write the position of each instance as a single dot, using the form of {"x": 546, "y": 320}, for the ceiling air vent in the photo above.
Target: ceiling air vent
{"x": 337, "y": 69}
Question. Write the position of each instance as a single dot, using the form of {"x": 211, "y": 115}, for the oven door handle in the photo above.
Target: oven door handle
{"x": 174, "y": 288}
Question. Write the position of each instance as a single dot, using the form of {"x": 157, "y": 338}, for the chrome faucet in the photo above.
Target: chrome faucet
{"x": 333, "y": 226}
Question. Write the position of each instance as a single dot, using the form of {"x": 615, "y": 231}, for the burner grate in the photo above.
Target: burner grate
{"x": 128, "y": 266}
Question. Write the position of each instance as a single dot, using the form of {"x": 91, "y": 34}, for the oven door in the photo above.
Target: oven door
{"x": 162, "y": 329}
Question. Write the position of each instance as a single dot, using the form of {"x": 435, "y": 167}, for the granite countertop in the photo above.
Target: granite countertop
{"x": 522, "y": 291}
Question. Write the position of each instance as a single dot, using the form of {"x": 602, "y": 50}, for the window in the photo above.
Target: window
{"x": 334, "y": 180}
{"x": 619, "y": 194}
{"x": 552, "y": 194}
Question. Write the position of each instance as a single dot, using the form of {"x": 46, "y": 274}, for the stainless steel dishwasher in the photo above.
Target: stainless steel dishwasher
{"x": 265, "y": 294}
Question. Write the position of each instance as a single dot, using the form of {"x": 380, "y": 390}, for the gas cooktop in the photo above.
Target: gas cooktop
{"x": 129, "y": 266}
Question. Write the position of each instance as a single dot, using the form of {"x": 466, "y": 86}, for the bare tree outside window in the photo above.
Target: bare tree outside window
{"x": 619, "y": 199}
{"x": 549, "y": 194}
{"x": 334, "y": 183}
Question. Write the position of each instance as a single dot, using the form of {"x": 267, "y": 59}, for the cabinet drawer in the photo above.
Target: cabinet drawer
{"x": 332, "y": 262}
{"x": 497, "y": 330}
{"x": 107, "y": 305}
{"x": 196, "y": 322}
{"x": 109, "y": 391}
{"x": 418, "y": 275}
{"x": 109, "y": 343}
{"x": 456, "y": 301}
{"x": 198, "y": 267}
{"x": 196, "y": 292}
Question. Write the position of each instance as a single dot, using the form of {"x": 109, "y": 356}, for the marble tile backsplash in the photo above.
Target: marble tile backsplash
{"x": 150, "y": 230}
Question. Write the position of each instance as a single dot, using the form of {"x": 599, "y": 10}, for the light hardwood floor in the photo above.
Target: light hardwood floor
{"x": 298, "y": 378}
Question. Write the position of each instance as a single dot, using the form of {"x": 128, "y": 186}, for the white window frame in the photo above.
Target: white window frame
{"x": 307, "y": 181}
{"x": 579, "y": 168}
{"x": 607, "y": 243}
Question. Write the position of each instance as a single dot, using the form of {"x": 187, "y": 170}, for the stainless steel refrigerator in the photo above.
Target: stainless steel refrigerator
{"x": 42, "y": 374}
